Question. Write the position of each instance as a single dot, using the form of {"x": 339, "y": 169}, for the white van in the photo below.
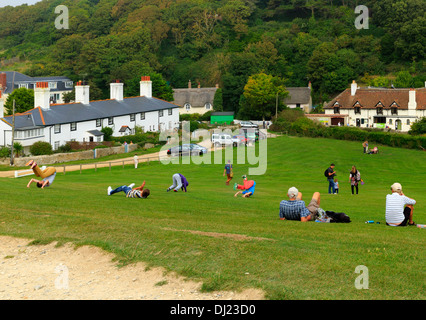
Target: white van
{"x": 223, "y": 139}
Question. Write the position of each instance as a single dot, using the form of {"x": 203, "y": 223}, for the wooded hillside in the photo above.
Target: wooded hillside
{"x": 220, "y": 42}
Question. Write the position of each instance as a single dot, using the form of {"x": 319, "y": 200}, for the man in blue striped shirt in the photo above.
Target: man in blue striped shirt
{"x": 295, "y": 209}
{"x": 137, "y": 192}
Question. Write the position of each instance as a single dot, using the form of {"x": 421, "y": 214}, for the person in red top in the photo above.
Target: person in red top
{"x": 247, "y": 187}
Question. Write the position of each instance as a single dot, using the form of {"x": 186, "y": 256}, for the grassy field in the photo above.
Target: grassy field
{"x": 232, "y": 243}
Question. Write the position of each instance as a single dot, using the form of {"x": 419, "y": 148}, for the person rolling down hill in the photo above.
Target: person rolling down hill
{"x": 247, "y": 187}
{"x": 48, "y": 175}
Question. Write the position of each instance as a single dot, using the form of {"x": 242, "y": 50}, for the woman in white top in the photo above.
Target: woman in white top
{"x": 399, "y": 208}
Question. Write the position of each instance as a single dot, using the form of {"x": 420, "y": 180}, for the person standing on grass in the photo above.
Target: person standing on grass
{"x": 365, "y": 146}
{"x": 228, "y": 172}
{"x": 354, "y": 179}
{"x": 48, "y": 175}
{"x": 137, "y": 192}
{"x": 179, "y": 182}
{"x": 399, "y": 208}
{"x": 330, "y": 174}
{"x": 135, "y": 160}
{"x": 294, "y": 208}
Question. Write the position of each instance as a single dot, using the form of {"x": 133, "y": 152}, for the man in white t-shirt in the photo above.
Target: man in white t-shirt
{"x": 399, "y": 208}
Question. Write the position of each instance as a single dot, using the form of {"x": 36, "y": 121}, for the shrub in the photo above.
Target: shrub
{"x": 41, "y": 148}
{"x": 418, "y": 127}
{"x": 4, "y": 152}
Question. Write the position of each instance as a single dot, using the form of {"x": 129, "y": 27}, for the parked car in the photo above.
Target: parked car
{"x": 248, "y": 124}
{"x": 224, "y": 139}
{"x": 192, "y": 149}
{"x": 250, "y": 133}
{"x": 241, "y": 138}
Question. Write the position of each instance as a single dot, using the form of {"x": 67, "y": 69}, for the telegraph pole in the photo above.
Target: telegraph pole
{"x": 13, "y": 134}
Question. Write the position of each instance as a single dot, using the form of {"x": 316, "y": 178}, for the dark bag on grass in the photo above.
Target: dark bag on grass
{"x": 338, "y": 217}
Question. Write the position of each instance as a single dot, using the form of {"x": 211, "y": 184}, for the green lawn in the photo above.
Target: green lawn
{"x": 196, "y": 233}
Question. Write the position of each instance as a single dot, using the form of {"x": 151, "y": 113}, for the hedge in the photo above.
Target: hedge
{"x": 307, "y": 127}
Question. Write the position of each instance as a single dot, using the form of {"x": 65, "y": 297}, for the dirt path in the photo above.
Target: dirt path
{"x": 65, "y": 273}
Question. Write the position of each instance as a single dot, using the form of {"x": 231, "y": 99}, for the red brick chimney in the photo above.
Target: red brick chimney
{"x": 3, "y": 82}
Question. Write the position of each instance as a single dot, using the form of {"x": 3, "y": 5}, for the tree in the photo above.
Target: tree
{"x": 260, "y": 94}
{"x": 24, "y": 101}
{"x": 418, "y": 127}
{"x": 218, "y": 100}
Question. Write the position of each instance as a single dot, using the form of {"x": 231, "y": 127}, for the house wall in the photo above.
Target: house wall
{"x": 369, "y": 114}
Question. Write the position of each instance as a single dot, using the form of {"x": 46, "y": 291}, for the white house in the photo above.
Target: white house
{"x": 83, "y": 120}
{"x": 194, "y": 100}
{"x": 299, "y": 97}
{"x": 11, "y": 80}
{"x": 379, "y": 107}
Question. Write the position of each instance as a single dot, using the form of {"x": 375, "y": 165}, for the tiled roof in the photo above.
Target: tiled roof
{"x": 78, "y": 112}
{"x": 367, "y": 98}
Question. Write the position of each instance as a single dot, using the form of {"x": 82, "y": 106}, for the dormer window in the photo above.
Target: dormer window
{"x": 336, "y": 108}
{"x": 379, "y": 110}
{"x": 357, "y": 110}
{"x": 394, "y": 110}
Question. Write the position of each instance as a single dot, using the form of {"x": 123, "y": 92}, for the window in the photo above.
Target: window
{"x": 132, "y": 117}
{"x": 187, "y": 106}
{"x": 160, "y": 113}
{"x": 23, "y": 85}
{"x": 390, "y": 121}
{"x": 68, "y": 84}
{"x": 56, "y": 147}
{"x": 110, "y": 120}
{"x": 408, "y": 122}
{"x": 53, "y": 85}
{"x": 142, "y": 115}
{"x": 54, "y": 97}
{"x": 57, "y": 128}
{"x": 379, "y": 110}
{"x": 357, "y": 110}
{"x": 73, "y": 126}
{"x": 394, "y": 110}
{"x": 337, "y": 110}
{"x": 98, "y": 122}
{"x": 170, "y": 112}
{"x": 208, "y": 105}
{"x": 99, "y": 139}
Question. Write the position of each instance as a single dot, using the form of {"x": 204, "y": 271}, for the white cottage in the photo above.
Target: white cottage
{"x": 83, "y": 120}
{"x": 379, "y": 107}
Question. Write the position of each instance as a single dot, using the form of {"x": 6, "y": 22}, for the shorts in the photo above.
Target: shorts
{"x": 251, "y": 189}
{"x": 407, "y": 212}
{"x": 313, "y": 206}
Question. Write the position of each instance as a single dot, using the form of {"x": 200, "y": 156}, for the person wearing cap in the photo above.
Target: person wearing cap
{"x": 294, "y": 208}
{"x": 247, "y": 187}
{"x": 399, "y": 208}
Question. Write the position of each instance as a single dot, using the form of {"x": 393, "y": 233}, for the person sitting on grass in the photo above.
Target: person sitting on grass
{"x": 399, "y": 208}
{"x": 48, "y": 175}
{"x": 247, "y": 187}
{"x": 137, "y": 192}
{"x": 295, "y": 209}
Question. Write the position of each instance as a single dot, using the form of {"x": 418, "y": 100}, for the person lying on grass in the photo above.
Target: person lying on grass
{"x": 294, "y": 208}
{"x": 137, "y": 192}
{"x": 247, "y": 187}
{"x": 48, "y": 175}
